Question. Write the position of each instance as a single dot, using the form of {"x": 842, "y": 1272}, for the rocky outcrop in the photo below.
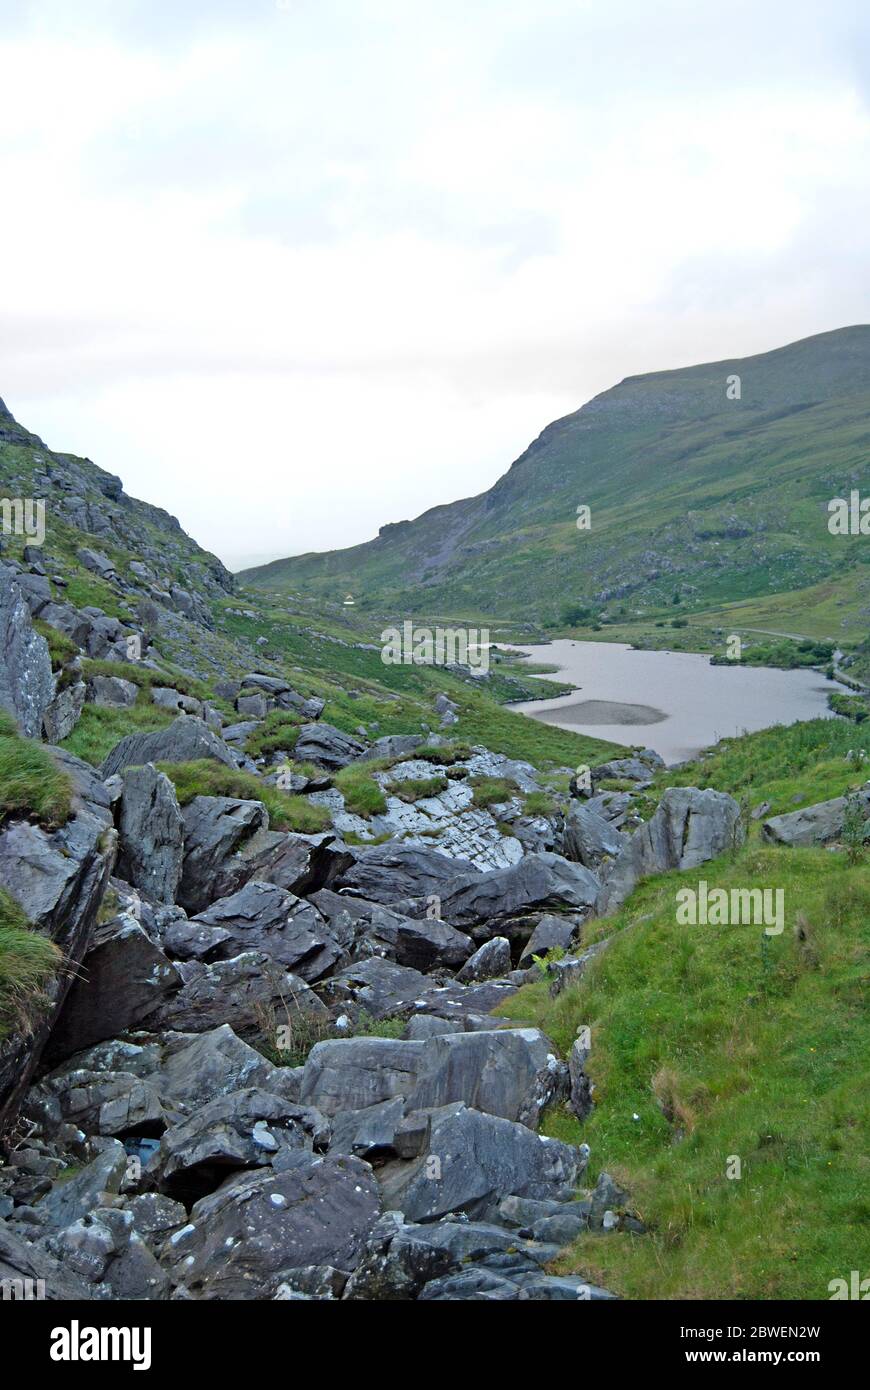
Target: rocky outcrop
{"x": 58, "y": 878}
{"x": 150, "y": 830}
{"x": 184, "y": 740}
{"x": 688, "y": 828}
{"x": 815, "y": 825}
{"x": 26, "y": 682}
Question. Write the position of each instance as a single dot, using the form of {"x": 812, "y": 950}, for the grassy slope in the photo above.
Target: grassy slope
{"x": 758, "y": 473}
{"x": 726, "y": 1043}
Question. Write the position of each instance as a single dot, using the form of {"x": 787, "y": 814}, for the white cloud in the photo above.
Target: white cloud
{"x": 296, "y": 272}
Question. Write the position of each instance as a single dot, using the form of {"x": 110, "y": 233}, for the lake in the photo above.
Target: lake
{"x": 674, "y": 702}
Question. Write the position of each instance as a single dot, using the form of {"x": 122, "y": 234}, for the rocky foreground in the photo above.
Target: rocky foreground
{"x": 273, "y": 1065}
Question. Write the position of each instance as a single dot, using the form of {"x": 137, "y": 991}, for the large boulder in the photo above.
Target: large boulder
{"x": 392, "y": 872}
{"x": 243, "y": 1239}
{"x": 253, "y": 1128}
{"x": 814, "y": 825}
{"x": 537, "y": 882}
{"x": 469, "y": 1161}
{"x": 64, "y": 712}
{"x": 184, "y": 740}
{"x": 26, "y": 682}
{"x": 150, "y": 829}
{"x": 495, "y": 1072}
{"x": 421, "y": 943}
{"x": 326, "y": 746}
{"x": 243, "y": 991}
{"x": 353, "y": 1073}
{"x": 588, "y": 838}
{"x": 688, "y": 828}
{"x": 263, "y": 917}
{"x": 301, "y": 864}
{"x": 123, "y": 980}
{"x": 215, "y": 828}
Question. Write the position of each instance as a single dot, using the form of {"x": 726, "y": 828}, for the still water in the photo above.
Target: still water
{"x": 674, "y": 702}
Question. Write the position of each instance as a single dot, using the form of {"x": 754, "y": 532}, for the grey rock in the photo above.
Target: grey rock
{"x": 26, "y": 681}
{"x": 588, "y": 838}
{"x": 550, "y": 934}
{"x": 537, "y": 882}
{"x": 167, "y": 698}
{"x": 111, "y": 690}
{"x": 72, "y": 1200}
{"x": 64, "y": 712}
{"x": 123, "y": 981}
{"x": 489, "y": 961}
{"x": 215, "y": 828}
{"x": 326, "y": 746}
{"x": 355, "y": 1073}
{"x": 28, "y": 1271}
{"x": 814, "y": 825}
{"x": 494, "y": 1072}
{"x": 264, "y": 917}
{"x": 688, "y": 828}
{"x": 368, "y": 1133}
{"x": 241, "y": 991}
{"x": 150, "y": 829}
{"x": 480, "y": 1158}
{"x": 243, "y": 1239}
{"x": 390, "y": 872}
{"x": 185, "y": 739}
{"x": 246, "y": 1129}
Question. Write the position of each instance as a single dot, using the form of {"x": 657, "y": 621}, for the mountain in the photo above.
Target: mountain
{"x": 691, "y": 493}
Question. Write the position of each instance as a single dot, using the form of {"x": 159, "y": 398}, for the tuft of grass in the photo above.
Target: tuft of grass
{"x": 413, "y": 789}
{"x": 28, "y": 962}
{"x": 491, "y": 791}
{"x": 277, "y": 733}
{"x": 101, "y": 727}
{"x": 204, "y": 777}
{"x": 31, "y": 783}
{"x": 61, "y": 648}
{"x": 362, "y": 794}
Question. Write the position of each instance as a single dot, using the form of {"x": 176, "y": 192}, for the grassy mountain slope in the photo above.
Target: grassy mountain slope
{"x": 718, "y": 500}
{"x": 710, "y": 1042}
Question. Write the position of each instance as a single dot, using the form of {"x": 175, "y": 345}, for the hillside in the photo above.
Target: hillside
{"x": 695, "y": 498}
{"x": 271, "y": 912}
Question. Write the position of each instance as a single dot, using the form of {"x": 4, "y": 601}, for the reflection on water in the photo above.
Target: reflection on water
{"x": 674, "y": 702}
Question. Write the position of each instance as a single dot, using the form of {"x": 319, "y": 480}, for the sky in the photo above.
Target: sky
{"x": 296, "y": 268}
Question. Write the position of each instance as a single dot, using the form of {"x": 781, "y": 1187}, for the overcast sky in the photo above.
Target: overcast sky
{"x": 296, "y": 269}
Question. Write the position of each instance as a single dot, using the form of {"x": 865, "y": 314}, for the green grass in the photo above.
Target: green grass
{"x": 101, "y": 727}
{"x": 277, "y": 733}
{"x": 146, "y": 678}
{"x": 60, "y": 647}
{"x": 789, "y": 766}
{"x": 28, "y": 961}
{"x": 723, "y": 1046}
{"x": 413, "y": 789}
{"x": 491, "y": 791}
{"x": 203, "y": 777}
{"x": 31, "y": 783}
{"x": 362, "y": 795}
